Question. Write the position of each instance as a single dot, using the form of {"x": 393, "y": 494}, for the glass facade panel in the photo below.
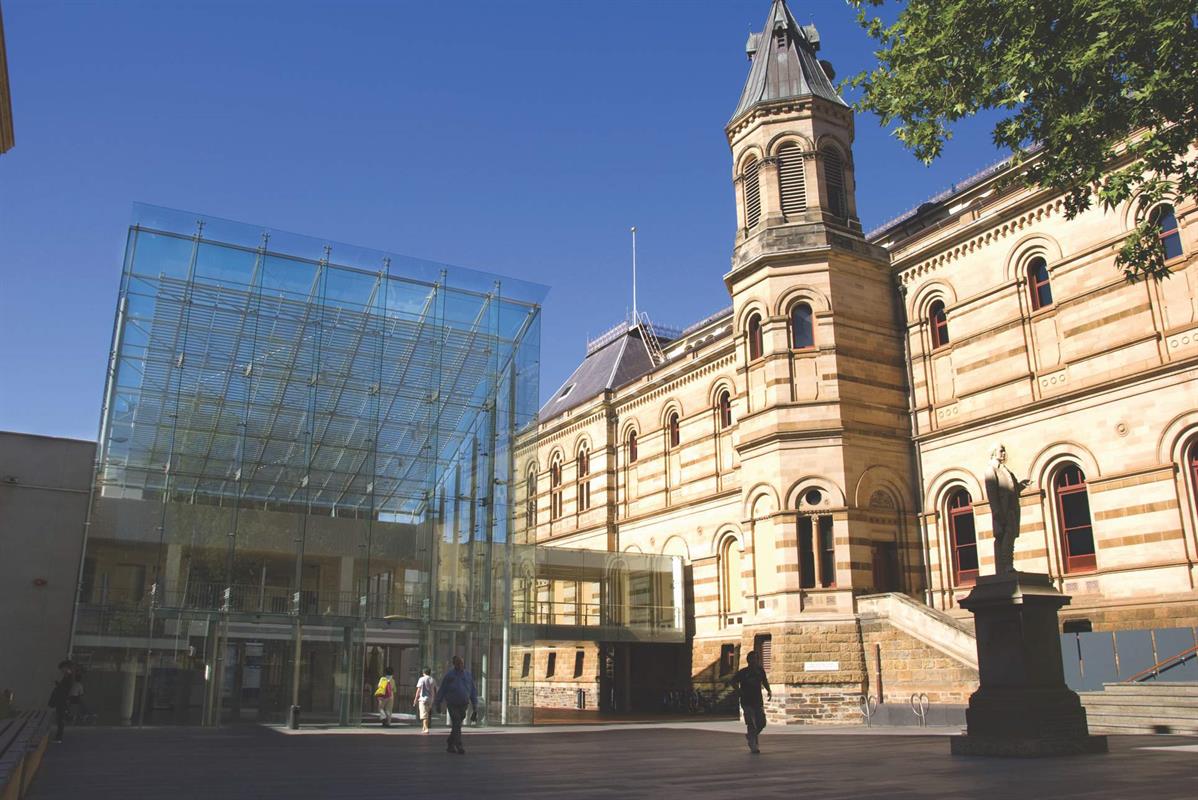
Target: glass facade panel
{"x": 305, "y": 454}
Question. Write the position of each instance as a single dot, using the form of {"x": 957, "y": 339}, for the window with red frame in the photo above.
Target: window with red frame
{"x": 802, "y": 330}
{"x": 725, "y": 410}
{"x": 1165, "y": 220}
{"x": 1037, "y": 283}
{"x": 1194, "y": 473}
{"x": 964, "y": 538}
{"x": 755, "y": 342}
{"x": 1073, "y": 516}
{"x": 675, "y": 437}
{"x": 939, "y": 322}
{"x": 631, "y": 446}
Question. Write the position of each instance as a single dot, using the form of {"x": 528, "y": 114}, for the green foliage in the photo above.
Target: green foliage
{"x": 1101, "y": 95}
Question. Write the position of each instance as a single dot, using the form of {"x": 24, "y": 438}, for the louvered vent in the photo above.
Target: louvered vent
{"x": 752, "y": 194}
{"x": 791, "y": 180}
{"x": 834, "y": 182}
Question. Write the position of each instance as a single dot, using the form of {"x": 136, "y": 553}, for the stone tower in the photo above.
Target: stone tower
{"x": 824, "y": 433}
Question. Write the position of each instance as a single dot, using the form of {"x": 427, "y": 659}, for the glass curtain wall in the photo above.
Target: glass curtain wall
{"x": 304, "y": 477}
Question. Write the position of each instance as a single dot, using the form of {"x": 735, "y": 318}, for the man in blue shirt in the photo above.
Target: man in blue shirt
{"x": 457, "y": 691}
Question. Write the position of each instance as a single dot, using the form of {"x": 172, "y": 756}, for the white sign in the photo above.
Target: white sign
{"x": 821, "y": 666}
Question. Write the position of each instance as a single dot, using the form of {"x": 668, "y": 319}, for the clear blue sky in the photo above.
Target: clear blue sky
{"x": 516, "y": 137}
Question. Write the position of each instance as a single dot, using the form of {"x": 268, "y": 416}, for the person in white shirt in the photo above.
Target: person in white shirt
{"x": 426, "y": 690}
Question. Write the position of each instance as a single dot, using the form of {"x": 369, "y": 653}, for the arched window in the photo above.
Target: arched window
{"x": 725, "y": 406}
{"x": 963, "y": 538}
{"x": 755, "y": 342}
{"x": 1073, "y": 516}
{"x": 939, "y": 322}
{"x": 752, "y": 184}
{"x": 817, "y": 552}
{"x": 1192, "y": 464}
{"x": 1165, "y": 220}
{"x": 530, "y": 503}
{"x": 555, "y": 489}
{"x": 731, "y": 598}
{"x": 834, "y": 183}
{"x": 631, "y": 447}
{"x": 1037, "y": 283}
{"x": 792, "y": 183}
{"x": 673, "y": 430}
{"x": 584, "y": 484}
{"x": 802, "y": 329}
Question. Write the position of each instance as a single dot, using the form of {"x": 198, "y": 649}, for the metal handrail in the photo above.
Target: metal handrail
{"x": 920, "y": 704}
{"x": 1164, "y": 665}
{"x": 868, "y": 705}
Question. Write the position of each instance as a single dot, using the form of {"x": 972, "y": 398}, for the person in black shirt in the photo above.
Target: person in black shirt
{"x": 748, "y": 684}
{"x": 61, "y": 696}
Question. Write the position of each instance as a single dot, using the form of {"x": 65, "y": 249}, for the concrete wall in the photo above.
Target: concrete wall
{"x": 43, "y": 505}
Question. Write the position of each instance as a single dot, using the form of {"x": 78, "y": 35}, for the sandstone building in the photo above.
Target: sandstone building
{"x": 814, "y": 453}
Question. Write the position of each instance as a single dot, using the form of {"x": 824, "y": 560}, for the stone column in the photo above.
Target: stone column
{"x": 771, "y": 194}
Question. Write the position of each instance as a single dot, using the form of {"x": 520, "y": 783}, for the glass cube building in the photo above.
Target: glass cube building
{"x": 304, "y": 476}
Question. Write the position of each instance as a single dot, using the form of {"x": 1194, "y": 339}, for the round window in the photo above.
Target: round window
{"x": 813, "y": 497}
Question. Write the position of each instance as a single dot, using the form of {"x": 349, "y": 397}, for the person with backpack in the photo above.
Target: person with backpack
{"x": 426, "y": 690}
{"x": 385, "y": 694}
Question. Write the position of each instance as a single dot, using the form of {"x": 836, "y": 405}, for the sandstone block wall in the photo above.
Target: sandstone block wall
{"x": 910, "y": 666}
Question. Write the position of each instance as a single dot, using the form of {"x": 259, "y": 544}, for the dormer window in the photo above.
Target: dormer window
{"x": 569, "y": 388}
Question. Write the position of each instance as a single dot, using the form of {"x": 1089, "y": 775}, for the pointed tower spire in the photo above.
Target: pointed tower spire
{"x": 783, "y": 63}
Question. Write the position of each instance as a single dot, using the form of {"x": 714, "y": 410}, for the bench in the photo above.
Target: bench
{"x": 23, "y": 741}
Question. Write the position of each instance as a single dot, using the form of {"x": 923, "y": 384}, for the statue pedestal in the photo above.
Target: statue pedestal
{"x": 1022, "y": 707}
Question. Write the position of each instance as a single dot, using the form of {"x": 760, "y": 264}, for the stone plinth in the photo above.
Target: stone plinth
{"x": 1022, "y": 706}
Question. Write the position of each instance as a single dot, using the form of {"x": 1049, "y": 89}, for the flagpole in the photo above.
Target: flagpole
{"x": 635, "y": 319}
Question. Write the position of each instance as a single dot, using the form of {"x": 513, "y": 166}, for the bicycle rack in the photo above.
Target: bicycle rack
{"x": 867, "y": 707}
{"x": 919, "y": 704}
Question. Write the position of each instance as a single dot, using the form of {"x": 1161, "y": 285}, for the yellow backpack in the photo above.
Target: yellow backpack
{"x": 384, "y": 688}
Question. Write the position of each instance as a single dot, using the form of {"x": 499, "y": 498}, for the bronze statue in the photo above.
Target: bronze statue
{"x": 1002, "y": 490}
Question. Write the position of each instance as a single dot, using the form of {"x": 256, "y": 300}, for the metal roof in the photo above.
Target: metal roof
{"x": 621, "y": 360}
{"x": 784, "y": 63}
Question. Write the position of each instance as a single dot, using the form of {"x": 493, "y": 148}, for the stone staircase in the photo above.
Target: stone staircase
{"x": 1143, "y": 708}
{"x": 923, "y": 651}
{"x": 945, "y": 633}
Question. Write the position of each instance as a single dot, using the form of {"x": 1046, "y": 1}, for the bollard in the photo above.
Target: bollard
{"x": 293, "y": 719}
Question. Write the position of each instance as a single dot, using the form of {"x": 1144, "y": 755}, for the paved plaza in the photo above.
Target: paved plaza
{"x": 690, "y": 761}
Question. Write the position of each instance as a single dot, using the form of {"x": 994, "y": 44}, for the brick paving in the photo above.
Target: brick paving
{"x": 621, "y": 762}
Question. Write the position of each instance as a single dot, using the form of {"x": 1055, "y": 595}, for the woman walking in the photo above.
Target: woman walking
{"x": 385, "y": 694}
